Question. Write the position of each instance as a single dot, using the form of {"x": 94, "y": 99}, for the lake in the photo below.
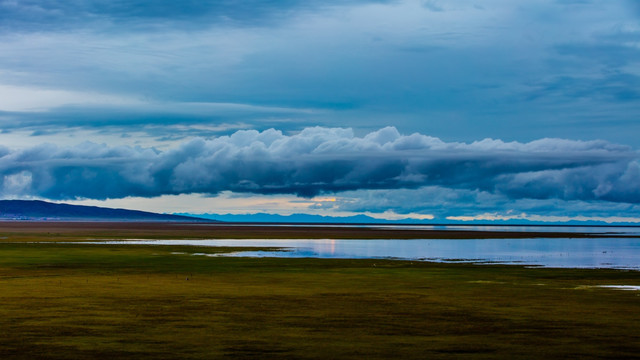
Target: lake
{"x": 617, "y": 253}
{"x": 592, "y": 229}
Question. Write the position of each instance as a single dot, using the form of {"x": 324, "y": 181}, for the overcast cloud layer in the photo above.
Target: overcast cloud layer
{"x": 326, "y": 161}
{"x": 463, "y": 70}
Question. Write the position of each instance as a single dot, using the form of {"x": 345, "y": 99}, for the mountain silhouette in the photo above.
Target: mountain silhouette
{"x": 45, "y": 211}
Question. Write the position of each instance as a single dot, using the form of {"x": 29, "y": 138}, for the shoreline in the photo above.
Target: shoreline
{"x": 52, "y": 231}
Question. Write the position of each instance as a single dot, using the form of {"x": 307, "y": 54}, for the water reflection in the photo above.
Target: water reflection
{"x": 623, "y": 253}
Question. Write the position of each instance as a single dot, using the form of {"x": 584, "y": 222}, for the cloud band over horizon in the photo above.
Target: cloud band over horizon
{"x": 321, "y": 160}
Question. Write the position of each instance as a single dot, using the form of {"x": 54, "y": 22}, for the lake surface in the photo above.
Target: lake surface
{"x": 593, "y": 229}
{"x": 620, "y": 230}
{"x": 618, "y": 253}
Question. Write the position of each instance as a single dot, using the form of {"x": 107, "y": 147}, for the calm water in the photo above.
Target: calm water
{"x": 621, "y": 230}
{"x": 620, "y": 253}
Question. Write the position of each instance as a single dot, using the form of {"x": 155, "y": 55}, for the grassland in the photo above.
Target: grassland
{"x": 77, "y": 301}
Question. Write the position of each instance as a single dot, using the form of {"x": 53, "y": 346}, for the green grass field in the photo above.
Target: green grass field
{"x": 86, "y": 301}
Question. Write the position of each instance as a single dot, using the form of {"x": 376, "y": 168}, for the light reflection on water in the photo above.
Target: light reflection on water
{"x": 621, "y": 253}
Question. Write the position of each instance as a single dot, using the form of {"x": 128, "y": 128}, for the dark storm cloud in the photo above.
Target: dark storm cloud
{"x": 324, "y": 160}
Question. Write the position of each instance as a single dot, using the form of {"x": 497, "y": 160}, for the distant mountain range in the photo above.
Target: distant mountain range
{"x": 300, "y": 218}
{"x": 364, "y": 219}
{"x": 35, "y": 210}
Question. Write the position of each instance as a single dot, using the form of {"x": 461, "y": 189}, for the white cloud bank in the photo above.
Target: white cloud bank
{"x": 326, "y": 160}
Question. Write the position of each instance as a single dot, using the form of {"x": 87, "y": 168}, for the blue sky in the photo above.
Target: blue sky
{"x": 427, "y": 109}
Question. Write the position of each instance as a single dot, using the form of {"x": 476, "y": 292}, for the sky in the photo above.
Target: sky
{"x": 417, "y": 109}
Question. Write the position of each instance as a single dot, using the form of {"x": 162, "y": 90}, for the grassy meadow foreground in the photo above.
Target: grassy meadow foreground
{"x": 77, "y": 301}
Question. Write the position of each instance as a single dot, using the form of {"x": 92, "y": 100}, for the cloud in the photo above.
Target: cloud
{"x": 545, "y": 218}
{"x": 26, "y": 99}
{"x": 41, "y": 15}
{"x": 608, "y": 88}
{"x": 32, "y": 108}
{"x": 445, "y": 202}
{"x": 461, "y": 73}
{"x": 327, "y": 160}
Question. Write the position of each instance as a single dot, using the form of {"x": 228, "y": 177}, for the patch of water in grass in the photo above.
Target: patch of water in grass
{"x": 621, "y": 287}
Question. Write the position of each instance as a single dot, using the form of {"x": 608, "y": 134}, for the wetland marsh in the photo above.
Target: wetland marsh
{"x": 78, "y": 301}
